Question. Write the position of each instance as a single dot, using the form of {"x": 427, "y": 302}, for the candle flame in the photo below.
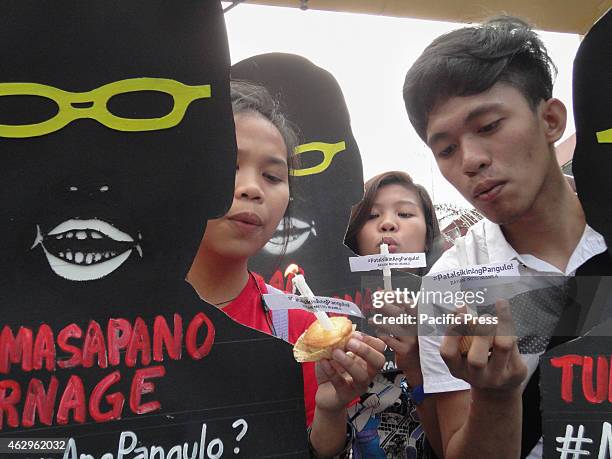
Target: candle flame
{"x": 292, "y": 269}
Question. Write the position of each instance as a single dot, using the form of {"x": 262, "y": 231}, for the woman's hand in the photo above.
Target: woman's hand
{"x": 341, "y": 380}
{"x": 347, "y": 376}
{"x": 401, "y": 338}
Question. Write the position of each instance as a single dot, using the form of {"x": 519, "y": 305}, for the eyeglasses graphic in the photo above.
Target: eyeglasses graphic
{"x": 329, "y": 150}
{"x": 604, "y": 136}
{"x": 97, "y": 109}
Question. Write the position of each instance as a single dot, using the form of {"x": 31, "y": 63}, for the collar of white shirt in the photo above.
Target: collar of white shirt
{"x": 591, "y": 243}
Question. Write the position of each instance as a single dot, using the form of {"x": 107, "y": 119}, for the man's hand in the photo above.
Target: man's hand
{"x": 493, "y": 361}
{"x": 347, "y": 376}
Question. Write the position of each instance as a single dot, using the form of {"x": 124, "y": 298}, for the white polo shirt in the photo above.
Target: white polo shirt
{"x": 485, "y": 243}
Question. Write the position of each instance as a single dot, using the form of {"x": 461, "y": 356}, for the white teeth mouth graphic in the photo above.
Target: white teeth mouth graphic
{"x": 301, "y": 232}
{"x": 84, "y": 250}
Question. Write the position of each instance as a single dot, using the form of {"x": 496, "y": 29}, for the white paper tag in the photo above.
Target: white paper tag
{"x": 393, "y": 260}
{"x": 470, "y": 276}
{"x": 276, "y": 301}
{"x": 448, "y": 288}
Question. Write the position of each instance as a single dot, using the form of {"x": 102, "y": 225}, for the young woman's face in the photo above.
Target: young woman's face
{"x": 396, "y": 219}
{"x": 261, "y": 193}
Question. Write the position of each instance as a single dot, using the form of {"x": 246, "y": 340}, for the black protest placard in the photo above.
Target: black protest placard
{"x": 592, "y": 163}
{"x": 592, "y": 96}
{"x": 117, "y": 145}
{"x": 577, "y": 396}
{"x": 328, "y": 182}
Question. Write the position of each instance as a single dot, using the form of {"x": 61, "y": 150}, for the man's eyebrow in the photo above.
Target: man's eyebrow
{"x": 477, "y": 112}
{"x": 437, "y": 137}
{"x": 482, "y": 110}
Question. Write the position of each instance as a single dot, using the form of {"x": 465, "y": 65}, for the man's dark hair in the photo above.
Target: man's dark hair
{"x": 471, "y": 60}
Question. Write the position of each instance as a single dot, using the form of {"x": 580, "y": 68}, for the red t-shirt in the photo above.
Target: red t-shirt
{"x": 248, "y": 310}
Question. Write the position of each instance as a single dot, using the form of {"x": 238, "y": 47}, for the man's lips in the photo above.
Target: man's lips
{"x": 487, "y": 190}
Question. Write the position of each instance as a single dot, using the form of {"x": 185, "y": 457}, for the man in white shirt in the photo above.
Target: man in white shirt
{"x": 481, "y": 98}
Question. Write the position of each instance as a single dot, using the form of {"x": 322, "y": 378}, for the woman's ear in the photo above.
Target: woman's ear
{"x": 554, "y": 116}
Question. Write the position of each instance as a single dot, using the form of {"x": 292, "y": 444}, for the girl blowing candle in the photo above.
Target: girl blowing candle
{"x": 220, "y": 272}
{"x": 397, "y": 212}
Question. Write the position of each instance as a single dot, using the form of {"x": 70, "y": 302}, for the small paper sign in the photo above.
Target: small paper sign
{"x": 318, "y": 303}
{"x": 489, "y": 280}
{"x": 394, "y": 260}
{"x": 478, "y": 272}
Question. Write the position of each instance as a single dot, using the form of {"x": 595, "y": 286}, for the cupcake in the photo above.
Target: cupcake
{"x": 318, "y": 343}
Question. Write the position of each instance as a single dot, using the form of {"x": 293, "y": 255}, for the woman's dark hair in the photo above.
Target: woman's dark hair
{"x": 471, "y": 60}
{"x": 361, "y": 212}
{"x": 249, "y": 97}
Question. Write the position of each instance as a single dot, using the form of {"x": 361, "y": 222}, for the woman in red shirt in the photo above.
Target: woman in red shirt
{"x": 220, "y": 269}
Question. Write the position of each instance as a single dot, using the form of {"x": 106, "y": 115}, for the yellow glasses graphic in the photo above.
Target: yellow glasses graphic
{"x": 329, "y": 150}
{"x": 604, "y": 136}
{"x": 97, "y": 100}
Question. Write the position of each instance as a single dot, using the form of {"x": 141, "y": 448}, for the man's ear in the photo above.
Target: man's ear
{"x": 554, "y": 116}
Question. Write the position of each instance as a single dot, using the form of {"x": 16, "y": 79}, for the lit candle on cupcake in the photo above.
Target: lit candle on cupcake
{"x": 299, "y": 282}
